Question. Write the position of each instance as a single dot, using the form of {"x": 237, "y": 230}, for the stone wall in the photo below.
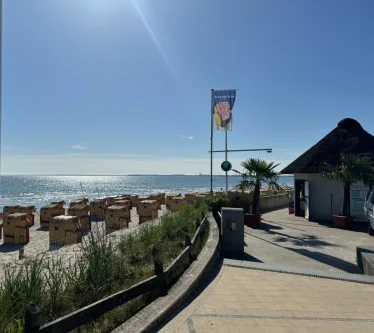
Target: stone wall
{"x": 239, "y": 199}
{"x": 274, "y": 201}
{"x": 244, "y": 200}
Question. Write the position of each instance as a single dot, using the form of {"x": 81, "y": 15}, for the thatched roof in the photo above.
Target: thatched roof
{"x": 348, "y": 137}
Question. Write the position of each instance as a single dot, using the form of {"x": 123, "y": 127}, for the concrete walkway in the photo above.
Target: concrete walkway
{"x": 294, "y": 241}
{"x": 247, "y": 300}
{"x": 257, "y": 300}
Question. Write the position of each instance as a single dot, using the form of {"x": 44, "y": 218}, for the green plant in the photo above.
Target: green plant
{"x": 21, "y": 286}
{"x": 16, "y": 326}
{"x": 101, "y": 268}
{"x": 55, "y": 282}
{"x": 351, "y": 169}
{"x": 216, "y": 201}
{"x": 257, "y": 172}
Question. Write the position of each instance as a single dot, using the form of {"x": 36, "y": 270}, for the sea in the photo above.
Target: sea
{"x": 41, "y": 190}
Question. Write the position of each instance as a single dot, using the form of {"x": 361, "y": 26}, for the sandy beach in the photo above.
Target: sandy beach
{"x": 39, "y": 243}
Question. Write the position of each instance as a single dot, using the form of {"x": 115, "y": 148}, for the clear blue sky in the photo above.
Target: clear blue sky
{"x": 116, "y": 87}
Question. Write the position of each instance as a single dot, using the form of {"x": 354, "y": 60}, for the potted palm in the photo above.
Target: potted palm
{"x": 351, "y": 169}
{"x": 368, "y": 200}
{"x": 257, "y": 172}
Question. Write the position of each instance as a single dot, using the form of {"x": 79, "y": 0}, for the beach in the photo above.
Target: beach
{"x": 39, "y": 243}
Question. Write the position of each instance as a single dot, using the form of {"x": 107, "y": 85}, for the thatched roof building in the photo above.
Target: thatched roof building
{"x": 348, "y": 136}
{"x": 315, "y": 196}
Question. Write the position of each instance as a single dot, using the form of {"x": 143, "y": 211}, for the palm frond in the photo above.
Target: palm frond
{"x": 246, "y": 185}
{"x": 273, "y": 185}
{"x": 257, "y": 172}
{"x": 352, "y": 168}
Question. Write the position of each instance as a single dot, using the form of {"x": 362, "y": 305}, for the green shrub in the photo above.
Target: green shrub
{"x": 216, "y": 201}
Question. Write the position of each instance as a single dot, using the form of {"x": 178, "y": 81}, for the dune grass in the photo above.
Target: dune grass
{"x": 102, "y": 267}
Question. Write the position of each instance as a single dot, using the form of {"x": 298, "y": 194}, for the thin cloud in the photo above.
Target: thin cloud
{"x": 186, "y": 137}
{"x": 14, "y": 148}
{"x": 77, "y": 146}
{"x": 115, "y": 164}
{"x": 48, "y": 151}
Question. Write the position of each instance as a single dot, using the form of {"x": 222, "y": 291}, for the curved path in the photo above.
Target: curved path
{"x": 256, "y": 299}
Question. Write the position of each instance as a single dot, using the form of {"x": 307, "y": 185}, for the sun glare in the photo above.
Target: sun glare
{"x": 152, "y": 34}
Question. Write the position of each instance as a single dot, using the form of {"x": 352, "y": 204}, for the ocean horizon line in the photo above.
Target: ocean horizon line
{"x": 116, "y": 175}
{"x": 123, "y": 175}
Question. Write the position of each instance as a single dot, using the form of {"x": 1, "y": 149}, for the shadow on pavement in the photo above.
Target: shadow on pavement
{"x": 329, "y": 260}
{"x": 318, "y": 256}
{"x": 284, "y": 224}
{"x": 268, "y": 227}
{"x": 356, "y": 227}
{"x": 245, "y": 257}
{"x": 304, "y": 240}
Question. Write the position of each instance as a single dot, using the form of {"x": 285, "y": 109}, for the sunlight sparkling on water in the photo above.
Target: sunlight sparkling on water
{"x": 40, "y": 190}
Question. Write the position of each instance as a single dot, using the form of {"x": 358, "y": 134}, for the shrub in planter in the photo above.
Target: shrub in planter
{"x": 216, "y": 201}
{"x": 351, "y": 169}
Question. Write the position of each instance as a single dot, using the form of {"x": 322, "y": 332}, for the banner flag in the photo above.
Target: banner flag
{"x": 223, "y": 102}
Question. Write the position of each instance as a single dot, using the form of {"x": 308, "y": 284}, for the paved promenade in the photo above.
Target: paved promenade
{"x": 246, "y": 300}
{"x": 255, "y": 300}
{"x": 288, "y": 240}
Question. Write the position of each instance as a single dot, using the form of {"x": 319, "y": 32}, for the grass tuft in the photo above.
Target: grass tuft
{"x": 102, "y": 268}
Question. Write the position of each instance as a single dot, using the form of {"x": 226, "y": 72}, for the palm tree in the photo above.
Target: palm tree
{"x": 257, "y": 172}
{"x": 351, "y": 169}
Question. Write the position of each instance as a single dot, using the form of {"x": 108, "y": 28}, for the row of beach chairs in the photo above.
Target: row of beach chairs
{"x": 68, "y": 228}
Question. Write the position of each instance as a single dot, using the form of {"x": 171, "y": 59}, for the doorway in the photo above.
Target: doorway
{"x": 300, "y": 197}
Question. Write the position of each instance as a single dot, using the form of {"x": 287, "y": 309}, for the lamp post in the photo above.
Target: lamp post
{"x": 1, "y": 66}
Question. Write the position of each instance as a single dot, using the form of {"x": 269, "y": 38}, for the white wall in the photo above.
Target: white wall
{"x": 325, "y": 196}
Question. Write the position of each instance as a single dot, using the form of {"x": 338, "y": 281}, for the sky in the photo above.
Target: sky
{"x": 124, "y": 86}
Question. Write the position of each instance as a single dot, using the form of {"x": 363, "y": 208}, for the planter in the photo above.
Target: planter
{"x": 291, "y": 207}
{"x": 252, "y": 220}
{"x": 343, "y": 222}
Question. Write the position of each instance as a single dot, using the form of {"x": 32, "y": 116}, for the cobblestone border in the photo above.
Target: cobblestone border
{"x": 356, "y": 278}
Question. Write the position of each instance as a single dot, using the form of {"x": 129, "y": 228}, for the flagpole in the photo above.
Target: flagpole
{"x": 211, "y": 140}
{"x": 227, "y": 179}
{"x": 1, "y": 67}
